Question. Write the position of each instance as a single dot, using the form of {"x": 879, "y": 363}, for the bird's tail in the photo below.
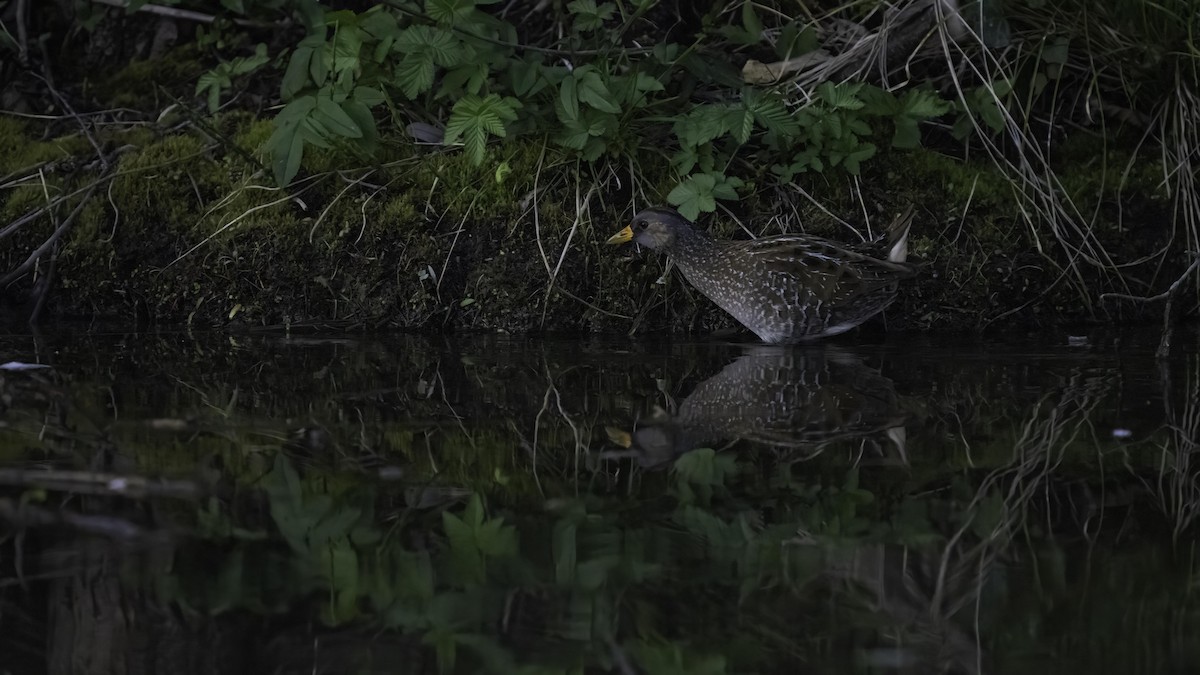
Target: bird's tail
{"x": 898, "y": 236}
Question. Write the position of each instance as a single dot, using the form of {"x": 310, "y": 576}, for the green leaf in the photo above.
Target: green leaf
{"x": 750, "y": 20}
{"x": 694, "y": 196}
{"x": 907, "y": 134}
{"x": 336, "y": 119}
{"x": 1057, "y": 51}
{"x": 568, "y": 100}
{"x": 841, "y": 96}
{"x": 770, "y": 112}
{"x": 474, "y": 118}
{"x": 296, "y": 77}
{"x": 589, "y": 16}
{"x": 852, "y": 160}
{"x": 318, "y": 65}
{"x": 449, "y": 12}
{"x": 725, "y": 188}
{"x": 440, "y": 44}
{"x": 704, "y": 123}
{"x": 247, "y": 64}
{"x": 414, "y": 74}
{"x": 365, "y": 121}
{"x": 368, "y": 96}
{"x": 524, "y": 75}
{"x": 593, "y": 91}
{"x": 924, "y": 103}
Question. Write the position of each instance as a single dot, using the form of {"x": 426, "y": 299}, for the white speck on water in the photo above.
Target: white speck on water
{"x": 1121, "y": 432}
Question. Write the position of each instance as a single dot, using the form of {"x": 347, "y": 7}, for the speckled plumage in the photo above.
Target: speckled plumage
{"x": 786, "y": 288}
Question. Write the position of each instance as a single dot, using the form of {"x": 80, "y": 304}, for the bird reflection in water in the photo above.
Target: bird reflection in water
{"x": 799, "y": 398}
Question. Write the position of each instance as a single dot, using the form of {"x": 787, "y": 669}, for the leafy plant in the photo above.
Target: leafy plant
{"x": 217, "y": 80}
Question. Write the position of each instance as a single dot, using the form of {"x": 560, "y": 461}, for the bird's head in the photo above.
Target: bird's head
{"x": 655, "y": 228}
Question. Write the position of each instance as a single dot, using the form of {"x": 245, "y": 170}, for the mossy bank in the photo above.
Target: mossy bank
{"x": 186, "y": 228}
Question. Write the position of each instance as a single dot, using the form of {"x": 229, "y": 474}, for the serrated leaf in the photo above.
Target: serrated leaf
{"x": 589, "y": 16}
{"x": 347, "y": 43}
{"x": 726, "y": 187}
{"x": 694, "y": 196}
{"x": 449, "y": 12}
{"x": 770, "y": 112}
{"x": 842, "y": 96}
{"x": 473, "y": 118}
{"x": 741, "y": 123}
{"x": 414, "y": 74}
{"x": 923, "y": 103}
{"x": 440, "y": 44}
{"x": 702, "y": 124}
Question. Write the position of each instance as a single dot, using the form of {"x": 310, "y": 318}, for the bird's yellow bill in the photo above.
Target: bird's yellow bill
{"x": 622, "y": 236}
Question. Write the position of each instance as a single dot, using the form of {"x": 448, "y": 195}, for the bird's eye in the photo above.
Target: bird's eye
{"x": 639, "y": 224}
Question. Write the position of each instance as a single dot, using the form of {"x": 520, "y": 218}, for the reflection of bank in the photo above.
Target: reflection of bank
{"x": 801, "y": 398}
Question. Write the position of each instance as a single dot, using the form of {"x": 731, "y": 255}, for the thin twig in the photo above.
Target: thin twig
{"x": 189, "y": 15}
{"x": 24, "y": 267}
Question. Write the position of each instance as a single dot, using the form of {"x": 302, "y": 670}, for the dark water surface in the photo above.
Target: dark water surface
{"x": 180, "y": 503}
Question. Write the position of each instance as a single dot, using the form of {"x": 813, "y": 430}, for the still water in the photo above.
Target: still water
{"x": 208, "y": 503}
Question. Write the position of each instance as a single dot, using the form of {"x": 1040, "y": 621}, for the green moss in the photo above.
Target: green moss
{"x": 20, "y": 152}
{"x": 137, "y": 84}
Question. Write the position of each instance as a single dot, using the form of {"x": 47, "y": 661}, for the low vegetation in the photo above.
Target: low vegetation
{"x": 1050, "y": 146}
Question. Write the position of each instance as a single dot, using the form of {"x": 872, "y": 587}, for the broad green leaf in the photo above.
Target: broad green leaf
{"x": 336, "y": 119}
{"x": 368, "y": 96}
{"x": 347, "y": 44}
{"x": 379, "y": 23}
{"x": 593, "y": 91}
{"x": 299, "y": 67}
{"x": 318, "y": 64}
{"x": 296, "y": 110}
{"x": 567, "y": 98}
{"x": 750, "y": 20}
{"x": 440, "y": 44}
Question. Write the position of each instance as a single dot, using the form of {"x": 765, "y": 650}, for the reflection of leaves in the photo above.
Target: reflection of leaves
{"x": 673, "y": 659}
{"x": 474, "y": 539}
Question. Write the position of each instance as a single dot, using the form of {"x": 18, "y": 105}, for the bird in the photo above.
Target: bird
{"x": 797, "y": 397}
{"x": 786, "y": 288}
